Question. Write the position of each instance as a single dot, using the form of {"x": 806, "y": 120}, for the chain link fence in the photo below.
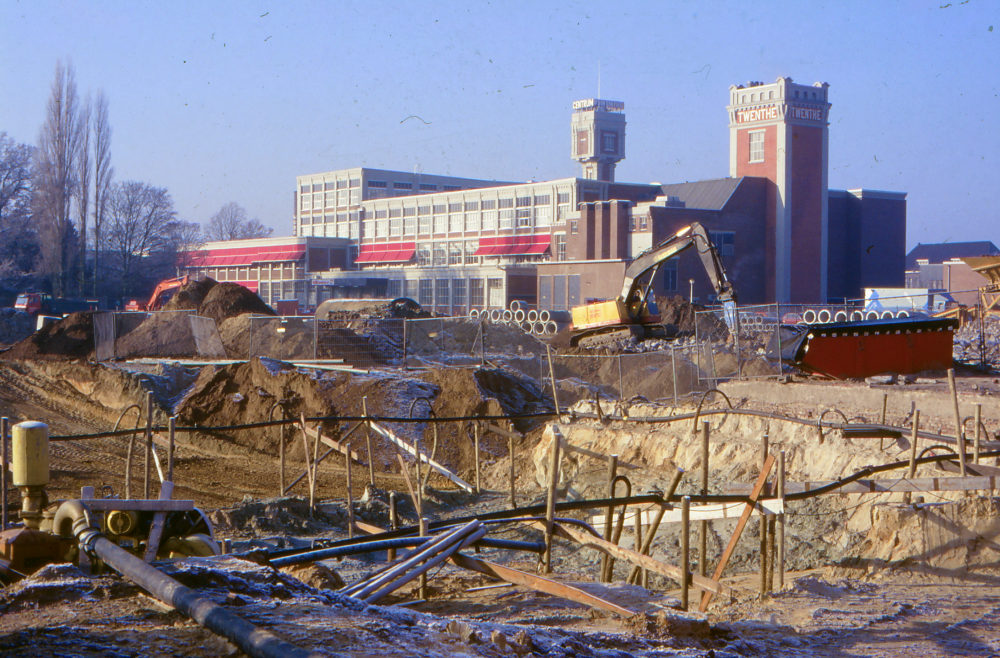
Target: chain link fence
{"x": 160, "y": 334}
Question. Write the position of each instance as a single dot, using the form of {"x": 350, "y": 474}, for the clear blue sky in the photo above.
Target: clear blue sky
{"x": 229, "y": 101}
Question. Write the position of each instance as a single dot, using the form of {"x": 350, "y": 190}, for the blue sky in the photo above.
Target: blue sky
{"x": 227, "y": 101}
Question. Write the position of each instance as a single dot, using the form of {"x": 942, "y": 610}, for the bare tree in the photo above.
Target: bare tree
{"x": 103, "y": 172}
{"x": 83, "y": 188}
{"x": 139, "y": 217}
{"x": 55, "y": 180}
{"x": 231, "y": 223}
{"x": 184, "y": 236}
{"x": 18, "y": 247}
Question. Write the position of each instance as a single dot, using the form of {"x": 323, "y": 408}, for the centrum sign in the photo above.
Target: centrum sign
{"x": 766, "y": 113}
{"x": 597, "y": 104}
{"x": 808, "y": 113}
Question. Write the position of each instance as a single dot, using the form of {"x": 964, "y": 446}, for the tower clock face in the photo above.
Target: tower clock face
{"x": 583, "y": 142}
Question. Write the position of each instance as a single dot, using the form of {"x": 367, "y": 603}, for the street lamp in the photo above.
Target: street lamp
{"x": 691, "y": 281}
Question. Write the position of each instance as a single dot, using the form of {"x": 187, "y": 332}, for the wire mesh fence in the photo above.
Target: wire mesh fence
{"x": 160, "y": 334}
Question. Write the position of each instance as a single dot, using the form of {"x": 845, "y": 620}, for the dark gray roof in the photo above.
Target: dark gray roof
{"x": 944, "y": 251}
{"x": 704, "y": 194}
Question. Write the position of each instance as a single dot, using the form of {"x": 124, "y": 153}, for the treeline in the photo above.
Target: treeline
{"x": 68, "y": 227}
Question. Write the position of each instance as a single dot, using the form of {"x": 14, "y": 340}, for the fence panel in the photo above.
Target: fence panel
{"x": 104, "y": 336}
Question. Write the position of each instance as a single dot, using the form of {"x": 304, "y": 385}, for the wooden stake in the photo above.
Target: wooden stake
{"x": 609, "y": 521}
{"x": 477, "y": 429}
{"x": 758, "y": 488}
{"x": 977, "y": 419}
{"x": 368, "y": 438}
{"x": 552, "y": 376}
{"x": 959, "y": 434}
{"x": 149, "y": 443}
{"x": 550, "y": 506}
{"x": 770, "y": 552}
{"x": 422, "y": 592}
{"x": 172, "y": 431}
{"x": 762, "y": 524}
{"x": 781, "y": 521}
{"x": 510, "y": 453}
{"x": 281, "y": 454}
{"x": 885, "y": 401}
{"x": 685, "y": 548}
{"x": 638, "y": 533}
{"x": 703, "y": 526}
{"x": 392, "y": 522}
{"x": 350, "y": 492}
{"x": 914, "y": 440}
{"x": 647, "y": 544}
{"x": 3, "y": 472}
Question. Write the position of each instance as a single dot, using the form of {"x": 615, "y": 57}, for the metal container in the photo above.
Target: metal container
{"x": 30, "y": 454}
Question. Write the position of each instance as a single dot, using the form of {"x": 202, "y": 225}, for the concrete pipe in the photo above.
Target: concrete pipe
{"x": 526, "y": 326}
{"x": 507, "y": 316}
{"x": 841, "y": 316}
{"x": 520, "y": 316}
{"x": 871, "y": 315}
{"x": 887, "y": 315}
{"x": 74, "y": 518}
{"x": 474, "y": 313}
{"x": 561, "y": 316}
{"x": 857, "y": 316}
{"x": 532, "y": 316}
{"x": 809, "y": 316}
{"x": 551, "y": 328}
{"x": 495, "y": 315}
{"x": 903, "y": 314}
{"x": 823, "y": 316}
{"x": 538, "y": 329}
{"x": 544, "y": 316}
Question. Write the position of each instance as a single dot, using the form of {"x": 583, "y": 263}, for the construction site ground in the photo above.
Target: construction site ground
{"x": 867, "y": 574}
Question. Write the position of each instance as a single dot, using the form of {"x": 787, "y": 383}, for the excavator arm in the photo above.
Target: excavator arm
{"x": 650, "y": 261}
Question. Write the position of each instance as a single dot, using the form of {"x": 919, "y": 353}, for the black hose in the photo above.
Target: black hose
{"x": 401, "y": 542}
{"x": 254, "y": 641}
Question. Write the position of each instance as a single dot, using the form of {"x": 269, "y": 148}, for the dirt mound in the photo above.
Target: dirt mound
{"x": 69, "y": 338}
{"x": 225, "y": 300}
{"x": 251, "y": 335}
{"x": 679, "y": 317}
{"x": 190, "y": 296}
{"x": 346, "y": 310}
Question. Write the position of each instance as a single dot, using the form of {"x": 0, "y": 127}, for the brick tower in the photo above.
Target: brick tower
{"x": 780, "y": 132}
{"x": 599, "y": 137}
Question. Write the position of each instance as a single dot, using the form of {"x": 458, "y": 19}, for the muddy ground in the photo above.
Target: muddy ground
{"x": 868, "y": 575}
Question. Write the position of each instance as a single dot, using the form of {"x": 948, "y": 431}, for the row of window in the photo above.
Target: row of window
{"x": 446, "y": 295}
{"x": 263, "y": 272}
{"x": 467, "y": 222}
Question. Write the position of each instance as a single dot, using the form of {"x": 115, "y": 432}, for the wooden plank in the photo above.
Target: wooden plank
{"x": 368, "y": 528}
{"x": 388, "y": 435}
{"x": 159, "y": 520}
{"x": 331, "y": 368}
{"x": 644, "y": 561}
{"x": 490, "y": 427}
{"x": 139, "y": 505}
{"x": 537, "y": 583}
{"x": 758, "y": 488}
{"x": 330, "y": 443}
{"x": 769, "y": 507}
{"x": 916, "y": 485}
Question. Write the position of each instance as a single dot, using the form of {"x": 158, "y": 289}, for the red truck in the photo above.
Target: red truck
{"x": 34, "y": 303}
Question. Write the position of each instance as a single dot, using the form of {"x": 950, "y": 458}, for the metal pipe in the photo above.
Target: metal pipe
{"x": 609, "y": 519}
{"x": 254, "y": 641}
{"x": 393, "y": 544}
{"x": 392, "y": 521}
{"x": 703, "y": 524}
{"x": 685, "y": 549}
{"x": 171, "y": 433}
{"x": 149, "y": 443}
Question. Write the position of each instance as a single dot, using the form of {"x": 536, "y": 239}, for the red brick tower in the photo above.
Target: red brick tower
{"x": 780, "y": 132}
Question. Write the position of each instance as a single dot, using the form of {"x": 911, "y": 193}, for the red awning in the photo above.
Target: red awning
{"x": 386, "y": 252}
{"x": 513, "y": 245}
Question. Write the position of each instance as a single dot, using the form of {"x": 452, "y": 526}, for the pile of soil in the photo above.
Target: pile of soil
{"x": 348, "y": 310}
{"x": 680, "y": 317}
{"x": 190, "y": 296}
{"x": 254, "y": 335}
{"x": 225, "y": 300}
{"x": 69, "y": 338}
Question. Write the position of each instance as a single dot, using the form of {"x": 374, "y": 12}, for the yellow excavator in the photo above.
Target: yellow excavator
{"x": 634, "y": 312}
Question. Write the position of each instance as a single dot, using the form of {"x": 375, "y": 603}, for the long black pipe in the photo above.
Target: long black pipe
{"x": 401, "y": 542}
{"x": 73, "y": 517}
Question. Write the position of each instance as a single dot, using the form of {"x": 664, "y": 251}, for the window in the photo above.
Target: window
{"x": 440, "y": 223}
{"x": 307, "y": 220}
{"x": 395, "y": 212}
{"x": 381, "y": 213}
{"x": 495, "y": 288}
{"x": 440, "y": 253}
{"x": 455, "y": 206}
{"x": 395, "y": 289}
{"x": 507, "y": 218}
{"x": 410, "y": 212}
{"x": 471, "y": 205}
{"x": 670, "y": 275}
{"x": 757, "y": 146}
{"x": 368, "y": 228}
{"x": 452, "y": 188}
{"x": 379, "y": 184}
{"x": 506, "y": 203}
{"x": 476, "y": 298}
{"x": 423, "y": 210}
{"x": 609, "y": 142}
{"x": 440, "y": 209}
{"x": 560, "y": 247}
{"x": 471, "y": 246}
{"x": 342, "y": 197}
{"x": 643, "y": 222}
{"x": 306, "y": 202}
{"x": 458, "y": 294}
{"x": 574, "y": 226}
{"x": 402, "y": 186}
{"x": 396, "y": 226}
{"x": 541, "y": 199}
{"x": 428, "y": 187}
{"x": 341, "y": 184}
{"x": 409, "y": 226}
{"x": 410, "y": 288}
{"x": 724, "y": 241}
{"x": 426, "y": 296}
{"x": 490, "y": 219}
{"x": 455, "y": 253}
{"x": 523, "y": 201}
{"x": 489, "y": 204}
{"x": 331, "y": 199}
{"x": 441, "y": 300}
{"x": 423, "y": 254}
{"x": 472, "y": 222}
{"x": 455, "y": 223}
{"x": 424, "y": 225}
{"x": 355, "y": 197}
{"x": 523, "y": 217}
{"x": 304, "y": 188}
